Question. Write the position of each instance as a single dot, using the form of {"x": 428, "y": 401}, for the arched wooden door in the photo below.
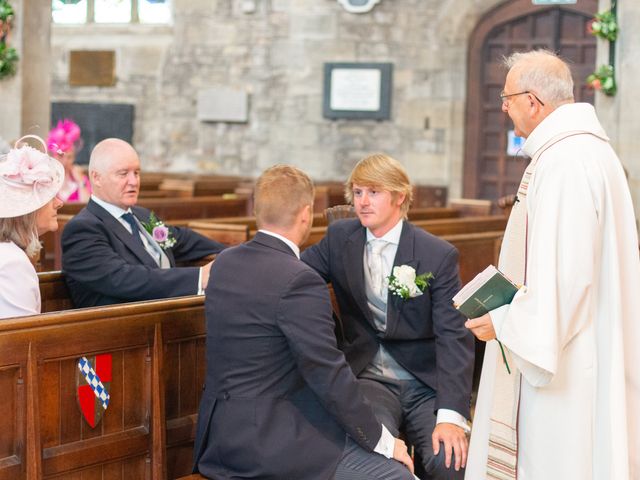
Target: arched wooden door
{"x": 517, "y": 25}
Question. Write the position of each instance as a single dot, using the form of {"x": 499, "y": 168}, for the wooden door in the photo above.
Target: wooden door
{"x": 516, "y": 25}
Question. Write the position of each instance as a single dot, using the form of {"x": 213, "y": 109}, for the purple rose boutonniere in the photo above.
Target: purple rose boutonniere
{"x": 159, "y": 232}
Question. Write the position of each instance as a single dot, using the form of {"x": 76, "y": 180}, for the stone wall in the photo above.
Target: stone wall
{"x": 619, "y": 114}
{"x": 276, "y": 53}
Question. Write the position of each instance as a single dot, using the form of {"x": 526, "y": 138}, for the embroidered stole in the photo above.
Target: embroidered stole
{"x": 503, "y": 434}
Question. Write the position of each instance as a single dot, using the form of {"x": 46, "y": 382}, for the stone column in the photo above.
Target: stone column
{"x": 25, "y": 97}
{"x": 619, "y": 114}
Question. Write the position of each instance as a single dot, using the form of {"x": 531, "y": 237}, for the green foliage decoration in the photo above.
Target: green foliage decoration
{"x": 8, "y": 55}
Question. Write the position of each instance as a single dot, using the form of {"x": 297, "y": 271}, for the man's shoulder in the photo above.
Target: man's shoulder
{"x": 427, "y": 240}
{"x": 344, "y": 226}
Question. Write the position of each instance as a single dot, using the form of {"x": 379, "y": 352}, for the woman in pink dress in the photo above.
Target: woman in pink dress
{"x": 29, "y": 182}
{"x": 63, "y": 143}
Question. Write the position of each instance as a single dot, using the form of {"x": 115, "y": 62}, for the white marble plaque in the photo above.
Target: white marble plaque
{"x": 355, "y": 89}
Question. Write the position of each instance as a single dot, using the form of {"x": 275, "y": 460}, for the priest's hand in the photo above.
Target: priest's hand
{"x": 455, "y": 443}
{"x": 482, "y": 327}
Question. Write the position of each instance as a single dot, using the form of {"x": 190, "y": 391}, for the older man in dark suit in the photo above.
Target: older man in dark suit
{"x": 280, "y": 401}
{"x": 109, "y": 257}
{"x": 404, "y": 341}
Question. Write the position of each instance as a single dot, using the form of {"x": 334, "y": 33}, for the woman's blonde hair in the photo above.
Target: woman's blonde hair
{"x": 383, "y": 172}
{"x": 280, "y": 193}
{"x": 23, "y": 232}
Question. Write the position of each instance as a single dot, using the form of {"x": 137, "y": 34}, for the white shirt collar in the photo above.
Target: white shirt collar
{"x": 114, "y": 210}
{"x": 392, "y": 236}
{"x": 289, "y": 243}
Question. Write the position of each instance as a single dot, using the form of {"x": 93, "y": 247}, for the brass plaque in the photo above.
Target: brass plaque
{"x": 92, "y": 68}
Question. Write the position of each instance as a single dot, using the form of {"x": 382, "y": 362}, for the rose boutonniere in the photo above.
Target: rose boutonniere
{"x": 159, "y": 232}
{"x": 404, "y": 282}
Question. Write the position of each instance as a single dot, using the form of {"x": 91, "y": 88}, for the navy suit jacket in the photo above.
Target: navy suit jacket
{"x": 426, "y": 334}
{"x": 279, "y": 396}
{"x": 104, "y": 265}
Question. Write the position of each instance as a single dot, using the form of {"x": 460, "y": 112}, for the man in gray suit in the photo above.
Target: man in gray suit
{"x": 280, "y": 401}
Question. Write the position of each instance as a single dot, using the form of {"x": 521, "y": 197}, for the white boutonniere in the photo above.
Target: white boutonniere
{"x": 159, "y": 232}
{"x": 404, "y": 282}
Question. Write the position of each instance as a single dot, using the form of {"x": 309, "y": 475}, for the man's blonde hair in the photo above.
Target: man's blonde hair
{"x": 382, "y": 172}
{"x": 280, "y": 193}
{"x": 23, "y": 232}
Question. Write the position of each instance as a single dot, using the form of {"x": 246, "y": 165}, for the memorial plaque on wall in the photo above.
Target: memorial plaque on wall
{"x": 97, "y": 122}
{"x": 92, "y": 68}
{"x": 357, "y": 90}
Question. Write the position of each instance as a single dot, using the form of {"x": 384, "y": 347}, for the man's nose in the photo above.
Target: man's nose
{"x": 504, "y": 107}
{"x": 132, "y": 179}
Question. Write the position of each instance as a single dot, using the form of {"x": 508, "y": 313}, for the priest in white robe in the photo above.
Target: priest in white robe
{"x": 570, "y": 408}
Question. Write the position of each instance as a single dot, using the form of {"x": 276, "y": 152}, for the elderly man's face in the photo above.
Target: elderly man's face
{"x": 518, "y": 105}
{"x": 119, "y": 184}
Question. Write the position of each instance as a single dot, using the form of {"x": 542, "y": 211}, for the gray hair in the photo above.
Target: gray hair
{"x": 23, "y": 232}
{"x": 544, "y": 73}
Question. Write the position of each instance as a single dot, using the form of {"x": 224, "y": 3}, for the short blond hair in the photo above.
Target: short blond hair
{"x": 280, "y": 193}
{"x": 23, "y": 232}
{"x": 383, "y": 172}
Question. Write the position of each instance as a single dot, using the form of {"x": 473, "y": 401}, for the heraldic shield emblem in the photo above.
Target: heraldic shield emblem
{"x": 94, "y": 381}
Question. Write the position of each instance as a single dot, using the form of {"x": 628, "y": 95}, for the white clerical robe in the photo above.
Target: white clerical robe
{"x": 19, "y": 291}
{"x": 574, "y": 333}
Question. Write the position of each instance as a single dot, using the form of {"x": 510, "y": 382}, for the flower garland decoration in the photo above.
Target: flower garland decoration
{"x": 159, "y": 232}
{"x": 604, "y": 25}
{"x": 8, "y": 55}
{"x": 603, "y": 79}
{"x": 404, "y": 282}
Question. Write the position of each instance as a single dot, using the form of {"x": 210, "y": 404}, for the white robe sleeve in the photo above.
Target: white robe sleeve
{"x": 562, "y": 248}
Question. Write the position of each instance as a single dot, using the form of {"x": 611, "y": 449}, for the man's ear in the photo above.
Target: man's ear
{"x": 399, "y": 198}
{"x": 307, "y": 213}
{"x": 94, "y": 178}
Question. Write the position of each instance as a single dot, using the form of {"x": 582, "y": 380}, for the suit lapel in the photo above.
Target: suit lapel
{"x": 353, "y": 260}
{"x": 404, "y": 256}
{"x": 115, "y": 227}
{"x": 143, "y": 214}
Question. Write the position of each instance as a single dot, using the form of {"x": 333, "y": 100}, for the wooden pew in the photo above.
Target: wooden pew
{"x": 158, "y": 371}
{"x": 319, "y": 219}
{"x": 197, "y": 207}
{"x": 439, "y": 227}
{"x": 159, "y": 368}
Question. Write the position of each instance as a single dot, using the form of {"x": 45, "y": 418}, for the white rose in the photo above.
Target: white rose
{"x": 405, "y": 275}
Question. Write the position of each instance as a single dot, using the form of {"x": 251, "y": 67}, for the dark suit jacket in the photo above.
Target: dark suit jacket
{"x": 426, "y": 335}
{"x": 104, "y": 265}
{"x": 279, "y": 396}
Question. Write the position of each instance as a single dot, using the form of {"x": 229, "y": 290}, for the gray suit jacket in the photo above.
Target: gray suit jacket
{"x": 279, "y": 397}
{"x": 103, "y": 264}
{"x": 426, "y": 334}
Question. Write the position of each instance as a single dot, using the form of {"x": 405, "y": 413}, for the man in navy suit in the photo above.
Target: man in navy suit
{"x": 280, "y": 401}
{"x": 412, "y": 356}
{"x": 107, "y": 255}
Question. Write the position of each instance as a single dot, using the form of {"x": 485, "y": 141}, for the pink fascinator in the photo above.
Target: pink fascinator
{"x": 64, "y": 136}
{"x": 29, "y": 179}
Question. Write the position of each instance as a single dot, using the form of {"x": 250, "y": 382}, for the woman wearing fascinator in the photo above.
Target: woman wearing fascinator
{"x": 64, "y": 142}
{"x": 29, "y": 182}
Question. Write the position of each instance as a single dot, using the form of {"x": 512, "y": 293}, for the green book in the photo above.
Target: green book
{"x": 489, "y": 289}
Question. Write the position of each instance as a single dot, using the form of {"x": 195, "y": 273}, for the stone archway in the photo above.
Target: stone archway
{"x": 489, "y": 172}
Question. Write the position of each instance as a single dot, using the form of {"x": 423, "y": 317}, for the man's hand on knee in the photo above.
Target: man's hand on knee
{"x": 401, "y": 454}
{"x": 455, "y": 442}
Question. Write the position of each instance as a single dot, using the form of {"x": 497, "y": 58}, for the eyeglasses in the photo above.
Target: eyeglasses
{"x": 503, "y": 97}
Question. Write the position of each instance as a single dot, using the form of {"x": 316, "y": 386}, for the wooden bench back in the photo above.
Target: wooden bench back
{"x": 158, "y": 368}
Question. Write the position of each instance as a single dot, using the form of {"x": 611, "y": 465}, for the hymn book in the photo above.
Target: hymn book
{"x": 489, "y": 290}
